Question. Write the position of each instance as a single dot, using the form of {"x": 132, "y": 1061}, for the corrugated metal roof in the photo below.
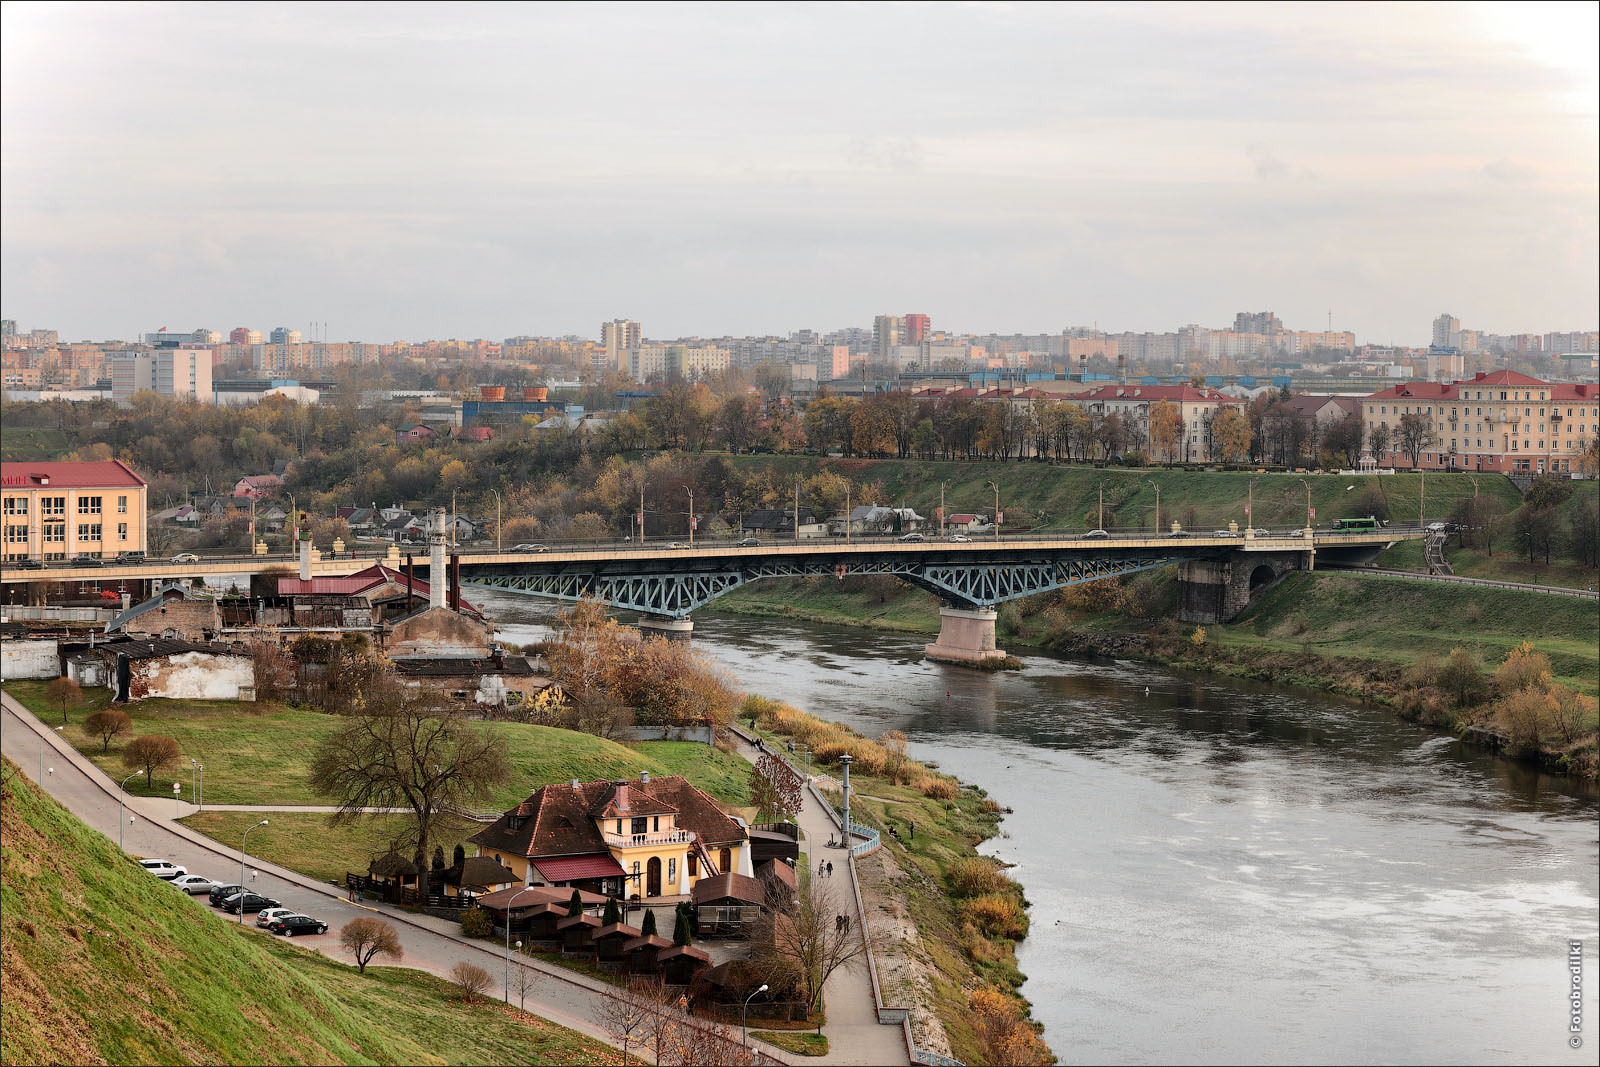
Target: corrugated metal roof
{"x": 572, "y": 868}
{"x": 111, "y": 474}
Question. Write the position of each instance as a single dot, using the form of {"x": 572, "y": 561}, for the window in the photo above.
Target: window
{"x": 122, "y": 505}
{"x": 694, "y": 865}
{"x": 726, "y": 859}
{"x": 122, "y": 531}
{"x": 88, "y": 531}
{"x": 655, "y": 823}
{"x": 55, "y": 531}
{"x": 16, "y": 535}
{"x": 53, "y": 505}
{"x": 641, "y": 826}
{"x": 672, "y": 872}
{"x": 16, "y": 505}
{"x": 88, "y": 505}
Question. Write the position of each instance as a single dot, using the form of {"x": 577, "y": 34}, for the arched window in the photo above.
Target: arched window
{"x": 726, "y": 860}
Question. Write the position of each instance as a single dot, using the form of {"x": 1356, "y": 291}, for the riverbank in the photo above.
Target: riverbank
{"x": 1375, "y": 638}
{"x": 949, "y": 919}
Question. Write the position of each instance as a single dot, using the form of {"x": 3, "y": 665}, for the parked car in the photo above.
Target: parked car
{"x": 220, "y": 893}
{"x": 289, "y": 925}
{"x": 248, "y": 902}
{"x": 132, "y": 556}
{"x": 1438, "y": 527}
{"x": 748, "y": 542}
{"x": 676, "y": 544}
{"x": 87, "y": 561}
{"x": 1179, "y": 533}
{"x": 530, "y": 548}
{"x": 185, "y": 557}
{"x": 1095, "y": 535}
{"x": 267, "y": 916}
{"x": 960, "y": 539}
{"x": 194, "y": 883}
{"x": 912, "y": 537}
{"x": 26, "y": 564}
{"x": 162, "y": 868}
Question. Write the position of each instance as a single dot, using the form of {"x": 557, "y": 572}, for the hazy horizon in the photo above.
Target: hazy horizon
{"x": 487, "y": 171}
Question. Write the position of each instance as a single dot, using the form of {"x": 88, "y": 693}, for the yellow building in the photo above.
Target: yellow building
{"x": 61, "y": 510}
{"x": 640, "y": 838}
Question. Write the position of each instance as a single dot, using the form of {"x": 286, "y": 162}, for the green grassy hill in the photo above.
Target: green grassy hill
{"x": 104, "y": 964}
{"x": 260, "y": 753}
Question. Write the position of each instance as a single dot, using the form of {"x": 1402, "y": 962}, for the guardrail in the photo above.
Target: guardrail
{"x": 1457, "y": 579}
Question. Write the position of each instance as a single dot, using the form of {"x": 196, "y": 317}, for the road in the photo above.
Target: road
{"x": 1457, "y": 579}
{"x": 431, "y": 944}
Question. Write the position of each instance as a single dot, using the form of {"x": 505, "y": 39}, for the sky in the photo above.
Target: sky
{"x": 412, "y": 171}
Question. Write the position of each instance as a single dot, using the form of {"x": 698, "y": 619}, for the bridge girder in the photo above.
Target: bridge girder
{"x": 676, "y": 595}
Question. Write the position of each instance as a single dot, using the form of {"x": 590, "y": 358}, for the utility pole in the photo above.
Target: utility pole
{"x": 641, "y": 514}
{"x": 1422, "y": 498}
{"x": 1100, "y": 516}
{"x": 847, "y": 512}
{"x": 1158, "y": 509}
{"x": 686, "y": 489}
{"x": 941, "y": 509}
{"x": 797, "y": 507}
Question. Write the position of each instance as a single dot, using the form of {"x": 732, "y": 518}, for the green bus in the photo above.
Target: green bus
{"x": 1368, "y": 523}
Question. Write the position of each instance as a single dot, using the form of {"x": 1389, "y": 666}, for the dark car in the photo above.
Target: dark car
{"x": 289, "y": 925}
{"x": 748, "y": 542}
{"x": 249, "y": 902}
{"x": 86, "y": 561}
{"x": 912, "y": 538}
{"x": 134, "y": 556}
{"x": 220, "y": 893}
{"x": 26, "y": 564}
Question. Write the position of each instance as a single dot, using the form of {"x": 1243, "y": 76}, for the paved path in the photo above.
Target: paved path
{"x": 1459, "y": 579}
{"x": 853, "y": 1031}
{"x": 432, "y": 944}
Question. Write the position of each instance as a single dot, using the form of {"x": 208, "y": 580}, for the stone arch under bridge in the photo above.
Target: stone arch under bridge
{"x": 1218, "y": 590}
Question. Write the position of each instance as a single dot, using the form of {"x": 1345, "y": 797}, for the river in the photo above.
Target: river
{"x": 1225, "y": 872}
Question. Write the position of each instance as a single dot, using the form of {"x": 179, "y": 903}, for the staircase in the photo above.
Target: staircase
{"x": 1433, "y": 554}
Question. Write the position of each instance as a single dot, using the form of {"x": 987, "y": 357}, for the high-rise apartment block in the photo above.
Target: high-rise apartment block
{"x": 1447, "y": 331}
{"x": 282, "y": 335}
{"x": 617, "y": 338}
{"x": 1256, "y": 322}
{"x": 917, "y": 329}
{"x": 177, "y": 372}
{"x": 887, "y": 331}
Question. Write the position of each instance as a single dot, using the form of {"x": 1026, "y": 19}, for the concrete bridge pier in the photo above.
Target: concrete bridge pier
{"x": 966, "y": 635}
{"x": 665, "y": 626}
{"x": 1218, "y": 590}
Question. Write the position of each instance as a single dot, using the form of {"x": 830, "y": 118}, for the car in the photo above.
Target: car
{"x": 1223, "y": 533}
{"x": 193, "y": 883}
{"x": 131, "y": 556}
{"x": 912, "y": 538}
{"x": 1179, "y": 533}
{"x": 267, "y": 916}
{"x": 289, "y": 925}
{"x": 26, "y": 564}
{"x": 248, "y": 902}
{"x": 86, "y": 561}
{"x": 1438, "y": 527}
{"x": 530, "y": 548}
{"x": 163, "y": 868}
{"x": 748, "y": 542}
{"x": 220, "y": 893}
{"x": 1095, "y": 535}
{"x": 960, "y": 539}
{"x": 676, "y": 544}
{"x": 184, "y": 557}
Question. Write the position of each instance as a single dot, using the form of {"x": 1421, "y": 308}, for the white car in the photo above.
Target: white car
{"x": 265, "y": 917}
{"x": 185, "y": 557}
{"x": 193, "y": 883}
{"x": 960, "y": 539}
{"x": 163, "y": 868}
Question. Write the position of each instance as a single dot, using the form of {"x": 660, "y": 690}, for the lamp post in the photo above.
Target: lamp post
{"x": 1310, "y": 514}
{"x": 744, "y": 1022}
{"x": 996, "y": 487}
{"x": 1158, "y": 509}
{"x": 509, "y": 905}
{"x": 243, "y": 842}
{"x": 196, "y": 768}
{"x": 941, "y": 509}
{"x": 177, "y": 792}
{"x": 40, "y": 779}
{"x": 686, "y": 489}
{"x": 844, "y": 761}
{"x": 497, "y": 538}
{"x": 122, "y": 807}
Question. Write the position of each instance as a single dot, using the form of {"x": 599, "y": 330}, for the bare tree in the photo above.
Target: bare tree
{"x": 149, "y": 752}
{"x": 470, "y": 979}
{"x": 64, "y": 691}
{"x": 1416, "y": 436}
{"x": 623, "y": 1015}
{"x": 398, "y": 753}
{"x": 525, "y": 980}
{"x": 810, "y": 937}
{"x": 107, "y": 724}
{"x": 366, "y": 938}
{"x": 774, "y": 788}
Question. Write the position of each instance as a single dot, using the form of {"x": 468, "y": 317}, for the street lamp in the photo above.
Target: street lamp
{"x": 744, "y": 1023}
{"x": 196, "y": 773}
{"x": 40, "y": 779}
{"x": 176, "y": 791}
{"x": 996, "y": 487}
{"x": 243, "y": 844}
{"x": 509, "y": 905}
{"x": 686, "y": 489}
{"x": 122, "y": 807}
{"x": 497, "y": 538}
{"x": 1309, "y": 513}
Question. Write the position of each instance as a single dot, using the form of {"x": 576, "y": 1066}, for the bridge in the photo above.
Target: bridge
{"x": 1219, "y": 571}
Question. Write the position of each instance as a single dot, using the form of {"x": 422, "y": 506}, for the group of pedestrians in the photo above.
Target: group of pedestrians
{"x": 824, "y": 869}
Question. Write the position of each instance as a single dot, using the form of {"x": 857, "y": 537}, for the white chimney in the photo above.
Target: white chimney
{"x": 305, "y": 557}
{"x": 437, "y": 578}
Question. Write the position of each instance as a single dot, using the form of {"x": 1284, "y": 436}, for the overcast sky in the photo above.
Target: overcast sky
{"x": 415, "y": 171}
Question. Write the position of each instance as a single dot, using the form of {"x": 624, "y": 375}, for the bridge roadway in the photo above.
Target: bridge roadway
{"x": 672, "y": 579}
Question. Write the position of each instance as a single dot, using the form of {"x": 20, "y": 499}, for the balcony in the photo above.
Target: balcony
{"x": 659, "y": 837}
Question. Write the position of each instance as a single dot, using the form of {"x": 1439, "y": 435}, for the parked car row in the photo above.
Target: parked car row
{"x": 234, "y": 899}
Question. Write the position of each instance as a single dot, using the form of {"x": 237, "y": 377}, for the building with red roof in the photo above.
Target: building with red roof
{"x": 1501, "y": 421}
{"x": 60, "y": 510}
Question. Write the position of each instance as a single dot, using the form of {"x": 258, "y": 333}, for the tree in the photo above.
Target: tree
{"x": 895, "y": 745}
{"x": 575, "y": 905}
{"x": 809, "y": 937}
{"x": 1003, "y": 1034}
{"x": 681, "y": 933}
{"x": 366, "y": 938}
{"x": 107, "y": 724}
{"x": 613, "y": 912}
{"x": 524, "y": 980}
{"x": 64, "y": 691}
{"x": 1166, "y": 429}
{"x": 1584, "y": 542}
{"x": 1343, "y": 439}
{"x": 397, "y": 753}
{"x": 1461, "y": 678}
{"x": 622, "y": 1015}
{"x": 1378, "y": 437}
{"x": 1416, "y": 436}
{"x": 470, "y": 979}
{"x": 1232, "y": 431}
{"x": 774, "y": 789}
{"x": 149, "y": 752}
{"x": 647, "y": 928}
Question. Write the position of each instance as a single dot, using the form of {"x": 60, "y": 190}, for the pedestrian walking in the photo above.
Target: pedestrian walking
{"x": 821, "y": 867}
{"x": 830, "y": 868}
{"x": 913, "y": 831}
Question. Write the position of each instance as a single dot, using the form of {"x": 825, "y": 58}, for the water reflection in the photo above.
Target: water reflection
{"x": 1222, "y": 871}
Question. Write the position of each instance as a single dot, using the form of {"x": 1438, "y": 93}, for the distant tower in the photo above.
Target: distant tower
{"x": 1446, "y": 331}
{"x": 619, "y": 337}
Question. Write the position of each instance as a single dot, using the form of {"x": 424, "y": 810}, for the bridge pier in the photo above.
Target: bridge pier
{"x": 966, "y": 635}
{"x": 1218, "y": 590}
{"x": 664, "y": 626}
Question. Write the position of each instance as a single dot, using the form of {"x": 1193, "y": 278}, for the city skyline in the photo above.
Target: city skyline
{"x": 759, "y": 171}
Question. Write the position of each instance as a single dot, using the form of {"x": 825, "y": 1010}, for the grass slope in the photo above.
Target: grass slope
{"x": 104, "y": 964}
{"x": 260, "y": 753}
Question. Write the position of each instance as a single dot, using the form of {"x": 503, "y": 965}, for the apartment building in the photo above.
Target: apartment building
{"x": 60, "y": 510}
{"x": 1504, "y": 421}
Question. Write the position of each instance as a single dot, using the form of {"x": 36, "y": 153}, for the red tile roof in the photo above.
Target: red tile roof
{"x": 355, "y": 584}
{"x": 111, "y": 474}
{"x": 1177, "y": 394}
{"x": 575, "y": 868}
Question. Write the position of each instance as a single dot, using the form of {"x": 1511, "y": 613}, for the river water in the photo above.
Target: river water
{"x": 1224, "y": 872}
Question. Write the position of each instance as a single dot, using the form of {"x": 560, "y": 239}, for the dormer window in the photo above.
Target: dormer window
{"x": 514, "y": 822}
